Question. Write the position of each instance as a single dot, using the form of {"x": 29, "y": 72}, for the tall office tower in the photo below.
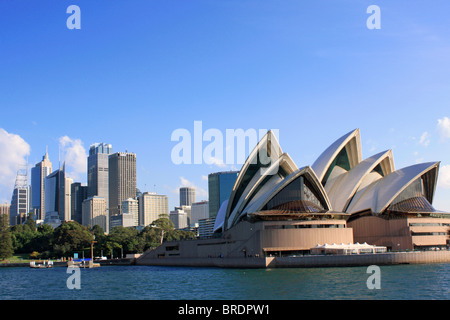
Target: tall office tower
{"x": 130, "y": 206}
{"x": 38, "y": 174}
{"x": 97, "y": 170}
{"x": 68, "y": 198}
{"x": 122, "y": 179}
{"x": 180, "y": 217}
{"x": 95, "y": 213}
{"x": 57, "y": 197}
{"x": 78, "y": 195}
{"x": 151, "y": 206}
{"x": 199, "y": 210}
{"x": 187, "y": 196}
{"x": 129, "y": 217}
{"x": 20, "y": 198}
{"x": 220, "y": 185}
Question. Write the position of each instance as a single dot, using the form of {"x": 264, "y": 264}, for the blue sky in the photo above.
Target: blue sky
{"x": 138, "y": 70}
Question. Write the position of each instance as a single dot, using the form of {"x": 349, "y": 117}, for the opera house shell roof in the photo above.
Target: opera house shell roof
{"x": 339, "y": 183}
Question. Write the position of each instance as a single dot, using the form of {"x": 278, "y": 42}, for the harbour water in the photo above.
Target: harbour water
{"x": 399, "y": 282}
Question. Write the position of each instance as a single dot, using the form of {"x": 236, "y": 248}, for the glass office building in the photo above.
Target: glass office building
{"x": 98, "y": 170}
{"x": 38, "y": 174}
{"x": 220, "y": 185}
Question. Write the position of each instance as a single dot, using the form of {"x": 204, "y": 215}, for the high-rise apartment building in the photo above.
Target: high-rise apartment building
{"x": 151, "y": 206}
{"x": 38, "y": 174}
{"x": 78, "y": 195}
{"x": 95, "y": 213}
{"x": 220, "y": 185}
{"x": 187, "y": 196}
{"x": 122, "y": 180}
{"x": 98, "y": 170}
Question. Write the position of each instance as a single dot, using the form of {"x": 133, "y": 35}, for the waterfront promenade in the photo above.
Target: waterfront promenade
{"x": 107, "y": 262}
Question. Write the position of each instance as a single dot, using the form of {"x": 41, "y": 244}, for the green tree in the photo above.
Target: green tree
{"x": 98, "y": 232}
{"x": 70, "y": 237}
{"x": 23, "y": 236}
{"x": 175, "y": 235}
{"x": 149, "y": 238}
{"x": 164, "y": 225}
{"x": 30, "y": 223}
{"x": 6, "y": 248}
{"x": 100, "y": 247}
{"x": 44, "y": 238}
{"x": 125, "y": 238}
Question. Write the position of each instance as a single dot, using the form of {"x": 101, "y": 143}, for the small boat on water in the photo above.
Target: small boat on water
{"x": 41, "y": 264}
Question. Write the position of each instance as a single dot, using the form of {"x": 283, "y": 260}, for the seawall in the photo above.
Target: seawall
{"x": 309, "y": 261}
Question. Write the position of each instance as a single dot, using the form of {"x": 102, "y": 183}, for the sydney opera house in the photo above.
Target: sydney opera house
{"x": 279, "y": 209}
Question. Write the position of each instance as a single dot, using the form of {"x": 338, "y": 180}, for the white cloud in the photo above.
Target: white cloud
{"x": 444, "y": 177}
{"x": 75, "y": 157}
{"x": 425, "y": 139}
{"x": 14, "y": 151}
{"x": 216, "y": 161}
{"x": 444, "y": 127}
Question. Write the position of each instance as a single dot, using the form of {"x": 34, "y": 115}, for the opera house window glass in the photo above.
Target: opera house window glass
{"x": 298, "y": 196}
{"x": 412, "y": 199}
{"x": 341, "y": 161}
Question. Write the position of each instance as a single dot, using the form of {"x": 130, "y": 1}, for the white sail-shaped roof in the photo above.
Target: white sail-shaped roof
{"x": 220, "y": 218}
{"x": 263, "y": 156}
{"x": 307, "y": 172}
{"x": 377, "y": 196}
{"x": 341, "y": 190}
{"x": 262, "y": 180}
{"x": 352, "y": 144}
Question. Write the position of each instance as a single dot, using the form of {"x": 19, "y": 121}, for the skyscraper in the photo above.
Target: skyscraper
{"x": 180, "y": 217}
{"x": 95, "y": 213}
{"x": 220, "y": 185}
{"x": 20, "y": 199}
{"x": 151, "y": 206}
{"x": 122, "y": 180}
{"x": 199, "y": 210}
{"x": 38, "y": 174}
{"x": 98, "y": 170}
{"x": 67, "y": 198}
{"x": 187, "y": 196}
{"x": 57, "y": 197}
{"x": 79, "y": 194}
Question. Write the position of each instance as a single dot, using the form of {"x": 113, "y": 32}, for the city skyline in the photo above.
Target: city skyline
{"x": 302, "y": 68}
